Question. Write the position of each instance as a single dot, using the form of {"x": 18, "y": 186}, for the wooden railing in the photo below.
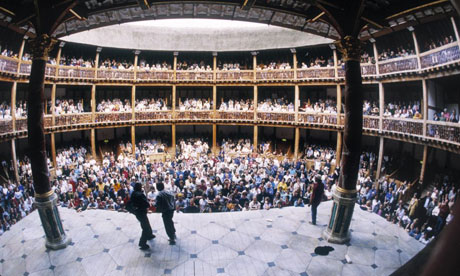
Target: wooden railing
{"x": 73, "y": 119}
{"x": 155, "y": 74}
{"x": 368, "y": 69}
{"x": 76, "y": 72}
{"x": 193, "y": 115}
{"x": 110, "y": 74}
{"x": 318, "y": 118}
{"x": 113, "y": 117}
{"x": 235, "y": 115}
{"x": 288, "y": 117}
{"x": 8, "y": 64}
{"x": 21, "y": 124}
{"x": 444, "y": 131}
{"x": 190, "y": 75}
{"x": 153, "y": 115}
{"x": 275, "y": 74}
{"x": 316, "y": 73}
{"x": 235, "y": 75}
{"x": 371, "y": 122}
{"x": 401, "y": 64}
{"x": 406, "y": 126}
{"x": 442, "y": 55}
{"x": 6, "y": 126}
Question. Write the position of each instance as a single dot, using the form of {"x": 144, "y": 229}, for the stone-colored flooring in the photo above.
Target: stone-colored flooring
{"x": 275, "y": 242}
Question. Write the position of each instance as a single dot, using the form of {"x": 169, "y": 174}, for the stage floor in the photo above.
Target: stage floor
{"x": 275, "y": 242}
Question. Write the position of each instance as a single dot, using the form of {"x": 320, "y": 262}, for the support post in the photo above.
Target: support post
{"x": 339, "y": 105}
{"x": 214, "y": 66}
{"x": 14, "y": 160}
{"x": 336, "y": 68}
{"x": 133, "y": 103}
{"x": 175, "y": 54}
{"x": 255, "y": 138}
{"x": 13, "y": 105}
{"x": 93, "y": 103}
{"x": 53, "y": 150}
{"x": 254, "y": 65}
{"x": 256, "y": 92}
{"x": 294, "y": 62}
{"x": 338, "y": 151}
{"x": 379, "y": 161}
{"x": 376, "y": 58}
{"x": 173, "y": 108}
{"x": 454, "y": 26}
{"x": 381, "y": 105}
{"x": 133, "y": 140}
{"x": 344, "y": 194}
{"x": 53, "y": 104}
{"x": 45, "y": 198}
{"x": 417, "y": 51}
{"x": 424, "y": 105}
{"x": 296, "y": 102}
{"x": 214, "y": 100}
{"x": 296, "y": 142}
{"x": 21, "y": 53}
{"x": 58, "y": 58}
{"x": 93, "y": 143}
{"x": 96, "y": 61}
{"x": 423, "y": 168}
{"x": 173, "y": 140}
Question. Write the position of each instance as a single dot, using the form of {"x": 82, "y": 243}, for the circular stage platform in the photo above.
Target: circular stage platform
{"x": 275, "y": 242}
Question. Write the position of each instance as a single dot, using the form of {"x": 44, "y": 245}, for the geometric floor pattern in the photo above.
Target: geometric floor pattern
{"x": 275, "y": 242}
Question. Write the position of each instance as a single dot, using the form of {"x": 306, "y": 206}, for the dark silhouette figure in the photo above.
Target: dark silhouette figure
{"x": 166, "y": 204}
{"x": 316, "y": 197}
{"x": 140, "y": 205}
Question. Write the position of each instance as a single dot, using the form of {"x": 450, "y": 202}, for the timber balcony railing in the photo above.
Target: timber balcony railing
{"x": 445, "y": 55}
{"x": 436, "y": 131}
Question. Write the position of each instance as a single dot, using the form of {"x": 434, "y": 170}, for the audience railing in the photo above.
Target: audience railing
{"x": 143, "y": 74}
{"x": 271, "y": 116}
{"x": 108, "y": 74}
{"x": 401, "y": 64}
{"x": 442, "y": 55}
{"x": 21, "y": 124}
{"x": 368, "y": 69}
{"x": 193, "y": 115}
{"x": 72, "y": 119}
{"x": 76, "y": 72}
{"x": 8, "y": 64}
{"x": 235, "y": 115}
{"x": 234, "y": 75}
{"x": 275, "y": 74}
{"x": 317, "y": 118}
{"x": 113, "y": 117}
{"x": 443, "y": 131}
{"x": 316, "y": 73}
{"x": 153, "y": 115}
{"x": 371, "y": 122}
{"x": 6, "y": 126}
{"x": 189, "y": 75}
{"x": 406, "y": 126}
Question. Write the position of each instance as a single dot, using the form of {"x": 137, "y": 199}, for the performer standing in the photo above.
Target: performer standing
{"x": 140, "y": 205}
{"x": 316, "y": 197}
{"x": 166, "y": 204}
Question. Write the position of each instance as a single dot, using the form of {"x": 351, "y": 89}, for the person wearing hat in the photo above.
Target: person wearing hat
{"x": 141, "y": 204}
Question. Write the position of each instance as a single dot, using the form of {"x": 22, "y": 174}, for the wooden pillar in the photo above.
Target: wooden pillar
{"x": 338, "y": 151}
{"x": 424, "y": 105}
{"x": 423, "y": 168}
{"x": 93, "y": 103}
{"x": 93, "y": 143}
{"x": 454, "y": 26}
{"x": 296, "y": 142}
{"x": 96, "y": 61}
{"x": 381, "y": 104}
{"x": 255, "y": 137}
{"x": 133, "y": 139}
{"x": 13, "y": 105}
{"x": 379, "y": 161}
{"x": 53, "y": 104}
{"x": 173, "y": 108}
{"x": 254, "y": 64}
{"x": 175, "y": 54}
{"x": 294, "y": 62}
{"x": 214, "y": 138}
{"x": 214, "y": 65}
{"x": 133, "y": 102}
{"x": 53, "y": 150}
{"x": 214, "y": 99}
{"x": 136, "y": 58}
{"x": 58, "y": 58}
{"x": 256, "y": 92}
{"x": 173, "y": 140}
{"x": 14, "y": 160}
{"x": 417, "y": 51}
{"x": 376, "y": 57}
{"x": 296, "y": 102}
{"x": 21, "y": 53}
{"x": 339, "y": 104}
{"x": 336, "y": 64}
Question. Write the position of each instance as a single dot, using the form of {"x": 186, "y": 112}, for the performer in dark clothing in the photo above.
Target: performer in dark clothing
{"x": 140, "y": 205}
{"x": 316, "y": 197}
{"x": 166, "y": 204}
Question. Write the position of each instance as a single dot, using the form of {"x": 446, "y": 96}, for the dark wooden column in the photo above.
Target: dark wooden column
{"x": 344, "y": 194}
{"x": 40, "y": 47}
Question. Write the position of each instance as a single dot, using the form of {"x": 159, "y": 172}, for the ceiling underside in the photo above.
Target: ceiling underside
{"x": 384, "y": 16}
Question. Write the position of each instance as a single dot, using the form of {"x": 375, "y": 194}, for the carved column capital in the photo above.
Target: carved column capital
{"x": 41, "y": 46}
{"x": 350, "y": 47}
